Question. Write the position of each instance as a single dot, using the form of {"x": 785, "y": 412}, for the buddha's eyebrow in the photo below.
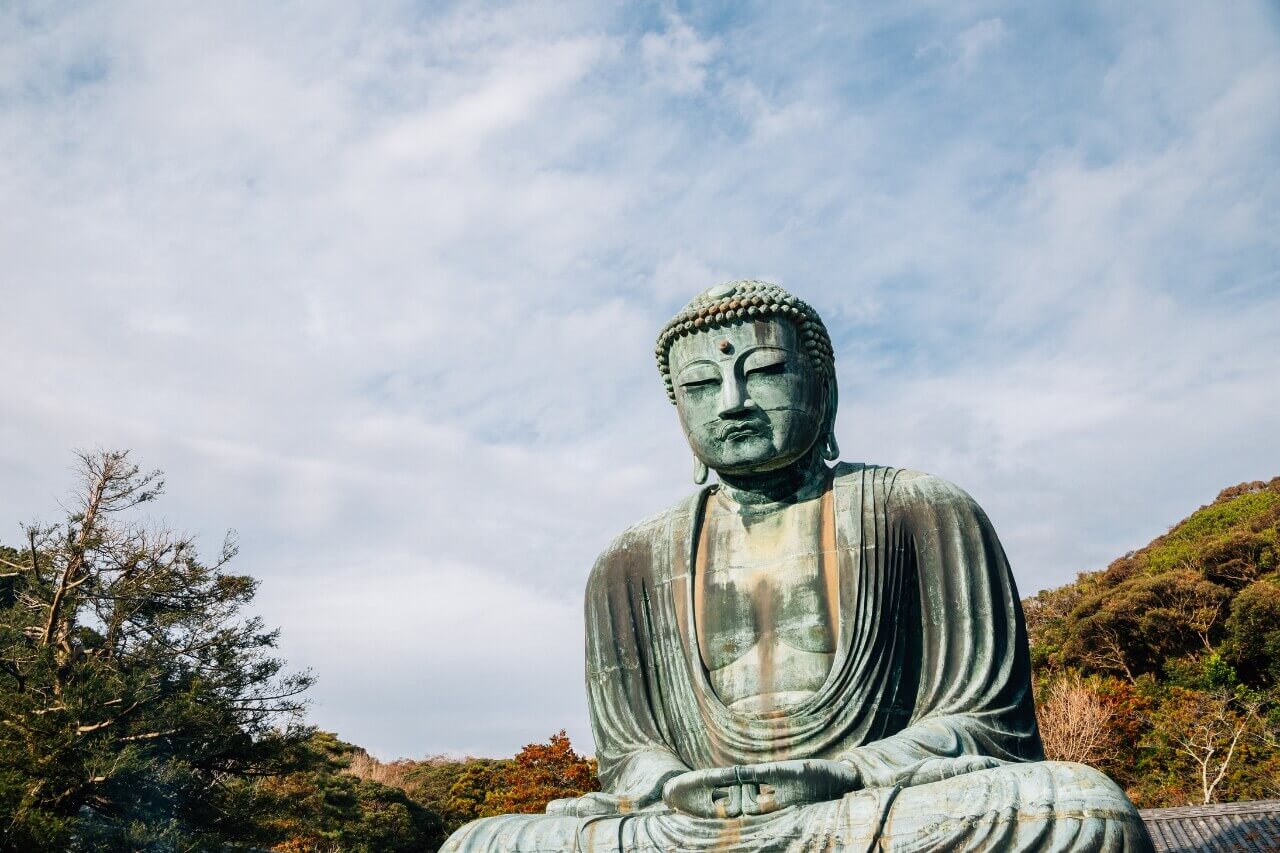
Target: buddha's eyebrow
{"x": 695, "y": 363}
{"x": 751, "y": 350}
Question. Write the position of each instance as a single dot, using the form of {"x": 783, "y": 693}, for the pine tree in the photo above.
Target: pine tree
{"x": 132, "y": 685}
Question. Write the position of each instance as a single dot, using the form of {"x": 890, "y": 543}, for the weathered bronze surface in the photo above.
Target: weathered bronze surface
{"x": 803, "y": 656}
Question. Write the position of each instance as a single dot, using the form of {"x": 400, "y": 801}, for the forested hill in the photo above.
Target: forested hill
{"x": 1177, "y": 645}
{"x": 143, "y": 707}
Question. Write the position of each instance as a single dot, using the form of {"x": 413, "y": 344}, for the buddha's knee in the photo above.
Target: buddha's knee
{"x": 1034, "y": 789}
{"x": 1017, "y": 807}
{"x": 1068, "y": 786}
{"x": 518, "y": 833}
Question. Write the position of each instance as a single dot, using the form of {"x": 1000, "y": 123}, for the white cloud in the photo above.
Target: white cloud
{"x": 462, "y": 656}
{"x": 676, "y": 59}
{"x": 681, "y": 275}
{"x": 978, "y": 40}
{"x": 378, "y": 288}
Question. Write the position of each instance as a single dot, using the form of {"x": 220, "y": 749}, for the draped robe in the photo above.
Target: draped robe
{"x": 929, "y": 697}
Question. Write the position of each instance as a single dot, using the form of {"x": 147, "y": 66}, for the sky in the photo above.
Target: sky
{"x": 377, "y": 286}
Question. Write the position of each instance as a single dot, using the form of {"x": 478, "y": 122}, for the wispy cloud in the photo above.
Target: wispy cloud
{"x": 676, "y": 58}
{"x": 978, "y": 40}
{"x": 378, "y": 288}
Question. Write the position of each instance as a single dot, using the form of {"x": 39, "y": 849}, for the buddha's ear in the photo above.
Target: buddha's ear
{"x": 830, "y": 449}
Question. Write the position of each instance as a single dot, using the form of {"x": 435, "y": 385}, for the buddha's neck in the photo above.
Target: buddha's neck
{"x": 762, "y": 493}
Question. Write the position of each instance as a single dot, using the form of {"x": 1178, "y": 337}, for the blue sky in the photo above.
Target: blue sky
{"x": 377, "y": 286}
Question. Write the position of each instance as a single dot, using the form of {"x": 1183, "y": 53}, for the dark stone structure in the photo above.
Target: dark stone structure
{"x": 807, "y": 655}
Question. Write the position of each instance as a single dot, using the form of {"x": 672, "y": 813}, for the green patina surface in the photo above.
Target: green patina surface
{"x": 803, "y": 655}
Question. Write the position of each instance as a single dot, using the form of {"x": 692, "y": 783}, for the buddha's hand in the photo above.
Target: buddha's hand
{"x": 937, "y": 769}
{"x": 595, "y": 803}
{"x": 604, "y": 803}
{"x": 755, "y": 789}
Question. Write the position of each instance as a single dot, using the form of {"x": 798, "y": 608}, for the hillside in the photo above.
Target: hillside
{"x": 1176, "y": 649}
{"x": 133, "y": 718}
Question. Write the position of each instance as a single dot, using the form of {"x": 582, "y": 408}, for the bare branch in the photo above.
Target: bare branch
{"x": 1075, "y": 722}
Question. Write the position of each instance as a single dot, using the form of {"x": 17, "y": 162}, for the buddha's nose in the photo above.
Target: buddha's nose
{"x": 734, "y": 401}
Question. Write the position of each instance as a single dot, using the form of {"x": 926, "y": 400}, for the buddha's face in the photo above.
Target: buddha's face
{"x": 748, "y": 397}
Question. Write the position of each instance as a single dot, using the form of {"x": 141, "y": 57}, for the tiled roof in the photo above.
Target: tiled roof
{"x": 1237, "y": 827}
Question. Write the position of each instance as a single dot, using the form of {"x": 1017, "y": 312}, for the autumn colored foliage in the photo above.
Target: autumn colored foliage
{"x": 1169, "y": 659}
{"x": 136, "y": 692}
{"x": 540, "y": 773}
{"x": 143, "y": 708}
{"x": 460, "y": 791}
{"x": 338, "y": 798}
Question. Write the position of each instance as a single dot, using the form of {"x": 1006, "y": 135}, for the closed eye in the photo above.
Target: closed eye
{"x": 765, "y": 360}
{"x": 699, "y": 374}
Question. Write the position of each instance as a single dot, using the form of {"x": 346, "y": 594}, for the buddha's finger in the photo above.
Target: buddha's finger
{"x": 725, "y": 776}
{"x": 727, "y": 801}
{"x": 772, "y": 771}
{"x": 756, "y": 799}
{"x": 700, "y": 803}
{"x": 701, "y": 779}
{"x": 705, "y": 793}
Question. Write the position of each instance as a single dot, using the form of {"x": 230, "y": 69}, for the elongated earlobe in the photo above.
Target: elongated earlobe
{"x": 831, "y": 449}
{"x": 699, "y": 471}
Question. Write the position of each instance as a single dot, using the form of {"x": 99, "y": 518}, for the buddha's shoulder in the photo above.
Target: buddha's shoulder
{"x": 901, "y": 487}
{"x": 637, "y": 550}
{"x": 658, "y": 524}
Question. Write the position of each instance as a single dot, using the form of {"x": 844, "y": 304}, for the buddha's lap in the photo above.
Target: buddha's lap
{"x": 987, "y": 808}
{"x": 1042, "y": 805}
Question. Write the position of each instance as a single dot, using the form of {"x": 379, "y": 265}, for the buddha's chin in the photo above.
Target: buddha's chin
{"x": 770, "y": 468}
{"x": 744, "y": 455}
{"x": 767, "y": 461}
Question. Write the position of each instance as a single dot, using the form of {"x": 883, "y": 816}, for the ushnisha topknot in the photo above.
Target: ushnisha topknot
{"x": 738, "y": 302}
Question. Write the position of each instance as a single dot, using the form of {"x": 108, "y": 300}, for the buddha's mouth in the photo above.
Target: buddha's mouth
{"x": 736, "y": 432}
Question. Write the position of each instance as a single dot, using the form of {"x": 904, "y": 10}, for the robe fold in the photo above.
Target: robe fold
{"x": 928, "y": 696}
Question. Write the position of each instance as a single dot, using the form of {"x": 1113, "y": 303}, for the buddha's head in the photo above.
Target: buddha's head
{"x": 749, "y": 368}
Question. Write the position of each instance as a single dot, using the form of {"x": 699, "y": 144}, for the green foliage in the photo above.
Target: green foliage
{"x": 341, "y": 799}
{"x": 1181, "y": 595}
{"x": 1204, "y": 744}
{"x": 141, "y": 709}
{"x": 324, "y": 806}
{"x": 1185, "y": 636}
{"x": 132, "y": 686}
{"x": 1252, "y": 642}
{"x": 1217, "y": 527}
{"x": 462, "y": 791}
{"x": 455, "y": 790}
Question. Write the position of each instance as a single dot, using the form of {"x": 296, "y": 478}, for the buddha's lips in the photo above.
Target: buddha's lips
{"x": 732, "y": 431}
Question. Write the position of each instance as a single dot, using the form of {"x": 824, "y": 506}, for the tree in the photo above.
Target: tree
{"x": 332, "y": 803}
{"x": 1076, "y": 722}
{"x": 1180, "y": 641}
{"x": 1135, "y": 626}
{"x": 1046, "y": 614}
{"x": 540, "y": 773}
{"x": 132, "y": 686}
{"x": 1208, "y": 728}
{"x": 1253, "y": 632}
{"x": 455, "y": 790}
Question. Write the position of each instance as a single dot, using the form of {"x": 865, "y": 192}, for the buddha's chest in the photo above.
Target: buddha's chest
{"x": 764, "y": 606}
